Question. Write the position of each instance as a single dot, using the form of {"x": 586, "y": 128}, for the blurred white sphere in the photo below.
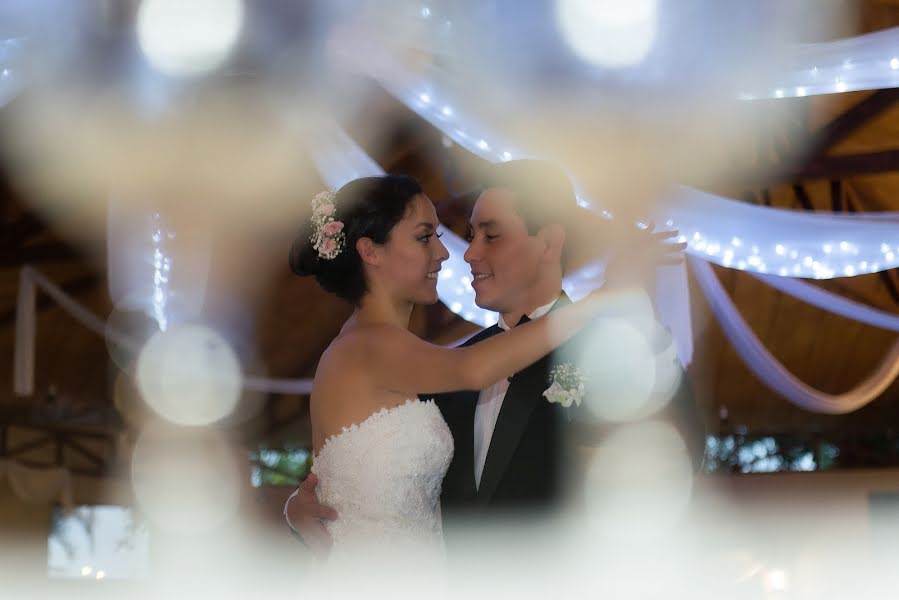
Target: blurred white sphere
{"x": 186, "y": 482}
{"x": 621, "y": 370}
{"x": 184, "y": 38}
{"x": 609, "y": 33}
{"x": 633, "y": 306}
{"x": 189, "y": 375}
{"x": 668, "y": 373}
{"x": 639, "y": 482}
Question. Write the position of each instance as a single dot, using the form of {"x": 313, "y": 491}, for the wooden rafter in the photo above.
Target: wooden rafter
{"x": 818, "y": 162}
{"x": 851, "y": 120}
{"x": 802, "y": 196}
{"x": 58, "y": 436}
{"x": 829, "y": 167}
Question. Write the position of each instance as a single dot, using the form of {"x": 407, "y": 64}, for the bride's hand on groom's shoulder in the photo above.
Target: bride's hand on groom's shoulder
{"x": 639, "y": 253}
{"x": 304, "y": 515}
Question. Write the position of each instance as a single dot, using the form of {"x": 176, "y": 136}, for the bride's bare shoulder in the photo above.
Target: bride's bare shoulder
{"x": 365, "y": 338}
{"x": 358, "y": 344}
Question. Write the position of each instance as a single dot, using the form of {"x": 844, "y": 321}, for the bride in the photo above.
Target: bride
{"x": 380, "y": 454}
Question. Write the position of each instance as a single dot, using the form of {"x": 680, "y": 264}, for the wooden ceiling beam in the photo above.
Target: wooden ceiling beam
{"x": 818, "y": 163}
{"x": 850, "y": 165}
{"x": 844, "y": 125}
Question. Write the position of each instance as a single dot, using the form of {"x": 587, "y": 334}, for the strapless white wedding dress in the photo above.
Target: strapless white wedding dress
{"x": 383, "y": 476}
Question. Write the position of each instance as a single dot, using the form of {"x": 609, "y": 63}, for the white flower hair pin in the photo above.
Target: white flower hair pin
{"x": 328, "y": 237}
{"x": 566, "y": 386}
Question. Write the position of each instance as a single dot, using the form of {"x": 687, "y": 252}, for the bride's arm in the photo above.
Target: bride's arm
{"x": 399, "y": 360}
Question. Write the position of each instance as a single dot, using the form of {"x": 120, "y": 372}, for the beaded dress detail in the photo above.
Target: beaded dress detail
{"x": 383, "y": 476}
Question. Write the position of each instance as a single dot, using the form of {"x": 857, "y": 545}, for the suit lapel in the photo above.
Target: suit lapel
{"x": 525, "y": 391}
{"x": 458, "y": 412}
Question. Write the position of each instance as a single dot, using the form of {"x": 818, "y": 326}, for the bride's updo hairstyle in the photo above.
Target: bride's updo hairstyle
{"x": 367, "y": 207}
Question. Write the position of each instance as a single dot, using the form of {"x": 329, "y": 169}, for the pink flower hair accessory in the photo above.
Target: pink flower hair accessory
{"x": 328, "y": 237}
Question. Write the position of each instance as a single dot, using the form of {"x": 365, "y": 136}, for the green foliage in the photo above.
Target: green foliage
{"x": 286, "y": 467}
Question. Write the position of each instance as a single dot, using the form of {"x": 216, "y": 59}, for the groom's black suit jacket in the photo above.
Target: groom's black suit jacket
{"x": 530, "y": 459}
{"x": 523, "y": 466}
{"x": 524, "y": 469}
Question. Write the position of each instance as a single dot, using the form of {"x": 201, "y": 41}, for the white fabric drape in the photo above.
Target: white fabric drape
{"x": 727, "y": 232}
{"x": 771, "y": 372}
{"x": 862, "y": 62}
{"x": 832, "y": 302}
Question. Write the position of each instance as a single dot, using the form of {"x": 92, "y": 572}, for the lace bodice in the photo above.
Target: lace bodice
{"x": 383, "y": 477}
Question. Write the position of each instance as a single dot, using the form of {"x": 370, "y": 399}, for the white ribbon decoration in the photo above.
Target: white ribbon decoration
{"x": 833, "y": 303}
{"x": 772, "y": 373}
{"x": 730, "y": 233}
{"x": 864, "y": 62}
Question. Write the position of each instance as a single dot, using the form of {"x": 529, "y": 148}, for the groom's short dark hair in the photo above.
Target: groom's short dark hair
{"x": 542, "y": 191}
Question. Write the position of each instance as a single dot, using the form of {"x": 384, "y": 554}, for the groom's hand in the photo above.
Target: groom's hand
{"x": 304, "y": 515}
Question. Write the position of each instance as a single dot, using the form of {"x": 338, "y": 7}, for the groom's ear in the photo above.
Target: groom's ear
{"x": 367, "y": 250}
{"x": 552, "y": 237}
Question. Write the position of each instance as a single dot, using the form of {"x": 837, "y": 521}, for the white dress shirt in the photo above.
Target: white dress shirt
{"x": 490, "y": 401}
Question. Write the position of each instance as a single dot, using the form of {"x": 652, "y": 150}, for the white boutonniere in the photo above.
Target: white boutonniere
{"x": 566, "y": 385}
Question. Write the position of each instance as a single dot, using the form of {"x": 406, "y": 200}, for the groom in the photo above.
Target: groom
{"x": 511, "y": 449}
{"x": 509, "y": 440}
